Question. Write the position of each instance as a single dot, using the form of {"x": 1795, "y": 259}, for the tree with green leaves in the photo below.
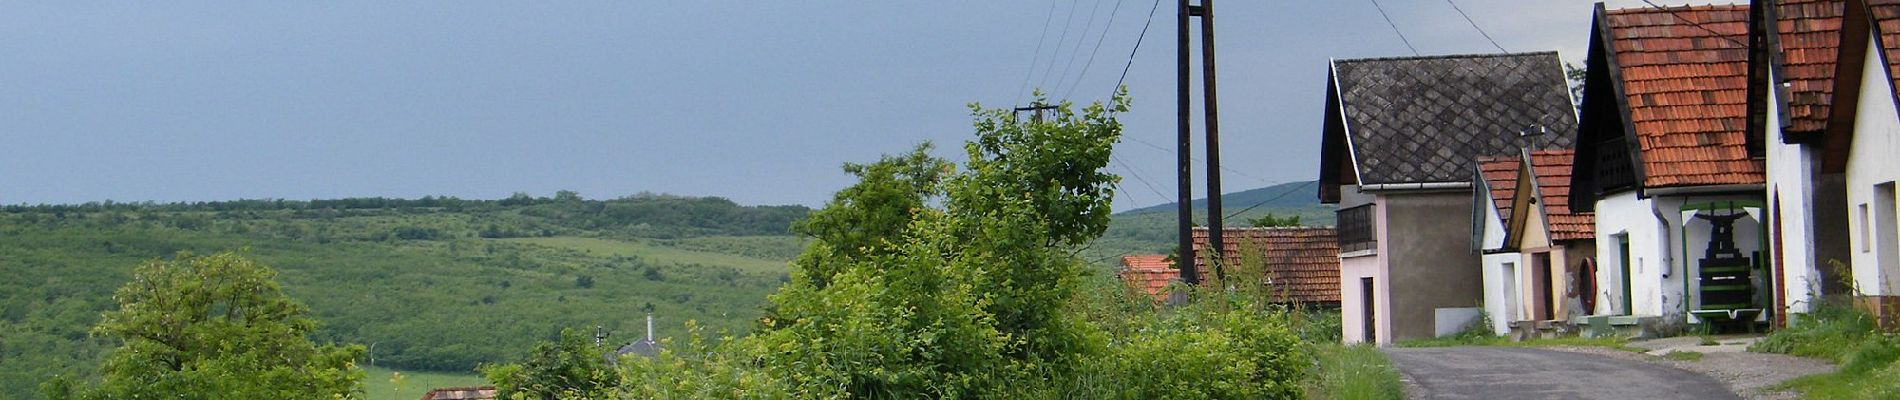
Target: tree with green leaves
{"x": 213, "y": 327}
{"x": 1274, "y": 221}
{"x": 568, "y": 368}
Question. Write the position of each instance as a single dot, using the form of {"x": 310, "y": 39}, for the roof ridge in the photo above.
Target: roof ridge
{"x": 1445, "y": 56}
{"x": 1677, "y": 8}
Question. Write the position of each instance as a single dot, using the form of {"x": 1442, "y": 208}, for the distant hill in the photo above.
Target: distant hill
{"x": 1286, "y": 195}
{"x": 436, "y": 284}
{"x": 1152, "y": 230}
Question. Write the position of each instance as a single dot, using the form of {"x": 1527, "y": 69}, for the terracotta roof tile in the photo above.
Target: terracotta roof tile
{"x": 1685, "y": 73}
{"x": 1553, "y": 168}
{"x": 1303, "y": 262}
{"x": 1886, "y": 15}
{"x": 1809, "y": 34}
{"x": 1148, "y": 273}
{"x": 1500, "y": 173}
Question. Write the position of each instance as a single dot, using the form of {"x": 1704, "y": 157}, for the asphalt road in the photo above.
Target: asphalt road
{"x": 1522, "y": 373}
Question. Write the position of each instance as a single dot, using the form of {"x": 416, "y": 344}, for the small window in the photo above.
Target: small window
{"x": 1866, "y": 231}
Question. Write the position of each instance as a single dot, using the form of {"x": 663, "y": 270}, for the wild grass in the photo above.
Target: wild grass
{"x": 1837, "y": 332}
{"x": 1357, "y": 372}
{"x": 655, "y": 253}
{"x": 383, "y": 384}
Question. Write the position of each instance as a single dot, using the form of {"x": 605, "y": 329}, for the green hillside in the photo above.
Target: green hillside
{"x": 1152, "y": 230}
{"x": 437, "y": 284}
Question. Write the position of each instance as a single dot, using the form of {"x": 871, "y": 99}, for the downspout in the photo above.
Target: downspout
{"x": 1667, "y": 262}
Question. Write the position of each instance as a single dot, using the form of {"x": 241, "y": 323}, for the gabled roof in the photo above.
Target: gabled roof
{"x": 1302, "y": 263}
{"x": 1148, "y": 273}
{"x": 1808, "y": 46}
{"x": 1424, "y": 119}
{"x": 1553, "y": 168}
{"x": 1886, "y": 16}
{"x": 1500, "y": 175}
{"x": 1684, "y": 78}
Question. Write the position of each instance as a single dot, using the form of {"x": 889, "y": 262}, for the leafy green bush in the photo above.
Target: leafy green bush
{"x": 568, "y": 367}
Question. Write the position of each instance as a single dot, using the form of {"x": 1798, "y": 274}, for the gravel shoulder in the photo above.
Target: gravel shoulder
{"x": 1749, "y": 375}
{"x": 1529, "y": 373}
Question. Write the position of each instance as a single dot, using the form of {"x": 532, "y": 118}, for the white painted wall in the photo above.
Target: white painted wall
{"x": 1790, "y": 184}
{"x": 1495, "y": 295}
{"x": 1873, "y": 159}
{"x": 1655, "y": 284}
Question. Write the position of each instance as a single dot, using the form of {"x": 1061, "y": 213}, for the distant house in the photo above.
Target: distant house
{"x": 461, "y": 393}
{"x": 1671, "y": 164}
{"x": 1301, "y": 263}
{"x": 1149, "y": 274}
{"x": 1400, "y": 139}
{"x": 1538, "y": 266}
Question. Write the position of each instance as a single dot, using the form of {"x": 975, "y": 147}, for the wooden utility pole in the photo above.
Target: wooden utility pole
{"x": 1189, "y": 272}
{"x": 1039, "y": 108}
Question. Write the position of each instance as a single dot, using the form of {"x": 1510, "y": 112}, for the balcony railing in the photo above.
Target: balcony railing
{"x": 1356, "y": 229}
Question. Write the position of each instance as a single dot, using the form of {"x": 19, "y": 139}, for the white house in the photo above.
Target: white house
{"x": 1807, "y": 206}
{"x": 1538, "y": 253}
{"x": 1871, "y": 157}
{"x": 1670, "y": 164}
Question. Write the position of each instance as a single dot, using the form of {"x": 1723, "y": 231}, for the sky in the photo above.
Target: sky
{"x": 759, "y": 102}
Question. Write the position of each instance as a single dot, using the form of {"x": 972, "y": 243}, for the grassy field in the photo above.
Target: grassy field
{"x": 382, "y": 384}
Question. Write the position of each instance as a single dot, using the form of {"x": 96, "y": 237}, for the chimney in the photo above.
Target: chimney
{"x": 649, "y": 327}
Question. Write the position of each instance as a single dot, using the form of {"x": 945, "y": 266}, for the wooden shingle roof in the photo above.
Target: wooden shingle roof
{"x": 1685, "y": 79}
{"x": 1302, "y": 263}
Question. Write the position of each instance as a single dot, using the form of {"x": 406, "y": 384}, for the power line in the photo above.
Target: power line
{"x": 1079, "y": 40}
{"x": 1270, "y": 200}
{"x": 1137, "y": 175}
{"x": 1098, "y": 48}
{"x": 1131, "y": 53}
{"x": 1679, "y": 17}
{"x": 1038, "y": 57}
{"x": 1474, "y": 25}
{"x": 1198, "y": 159}
{"x": 1395, "y": 27}
{"x": 1067, "y": 21}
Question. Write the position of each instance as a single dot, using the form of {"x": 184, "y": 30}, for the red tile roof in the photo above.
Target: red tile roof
{"x": 1500, "y": 173}
{"x": 1685, "y": 76}
{"x": 1303, "y": 263}
{"x": 1553, "y": 168}
{"x": 1886, "y": 14}
{"x": 1149, "y": 273}
{"x": 1809, "y": 34}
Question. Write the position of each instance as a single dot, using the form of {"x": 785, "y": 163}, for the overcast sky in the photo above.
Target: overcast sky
{"x": 754, "y": 101}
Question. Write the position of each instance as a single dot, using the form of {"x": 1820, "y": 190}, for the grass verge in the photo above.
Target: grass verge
{"x": 381, "y": 383}
{"x": 1353, "y": 372}
{"x": 1848, "y": 337}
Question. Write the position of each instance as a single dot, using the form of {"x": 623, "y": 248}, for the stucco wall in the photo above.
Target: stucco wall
{"x": 1352, "y": 307}
{"x": 1791, "y": 173}
{"x": 1874, "y": 159}
{"x": 1426, "y": 245}
{"x": 1654, "y": 286}
{"x": 1494, "y": 270}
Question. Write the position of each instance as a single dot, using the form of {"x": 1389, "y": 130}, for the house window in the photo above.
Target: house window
{"x": 1356, "y": 229}
{"x": 1866, "y": 231}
